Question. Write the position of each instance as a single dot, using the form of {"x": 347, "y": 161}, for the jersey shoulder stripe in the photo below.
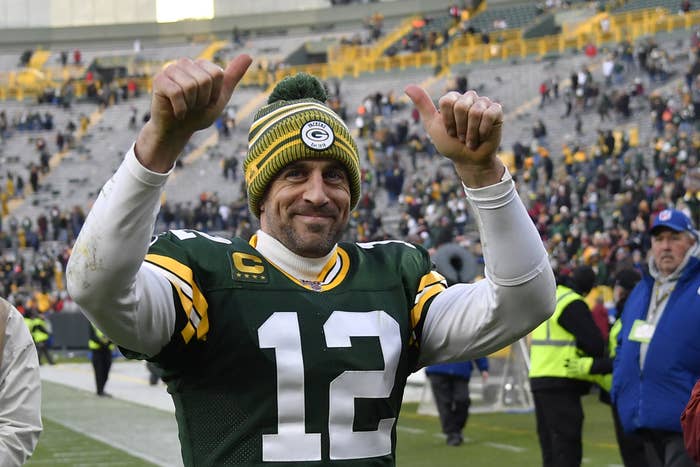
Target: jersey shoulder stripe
{"x": 431, "y": 284}
{"x": 192, "y": 300}
{"x": 196, "y": 263}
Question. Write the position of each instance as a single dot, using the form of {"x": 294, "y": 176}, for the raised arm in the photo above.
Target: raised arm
{"x": 471, "y": 320}
{"x": 131, "y": 304}
{"x": 187, "y": 96}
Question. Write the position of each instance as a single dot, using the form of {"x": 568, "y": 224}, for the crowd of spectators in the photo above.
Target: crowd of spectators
{"x": 594, "y": 205}
{"x": 591, "y": 204}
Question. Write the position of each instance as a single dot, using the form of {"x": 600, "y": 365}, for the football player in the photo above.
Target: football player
{"x": 293, "y": 348}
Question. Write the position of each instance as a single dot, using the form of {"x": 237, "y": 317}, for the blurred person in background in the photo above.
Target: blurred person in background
{"x": 600, "y": 369}
{"x": 101, "y": 356}
{"x": 690, "y": 420}
{"x": 40, "y": 329}
{"x": 556, "y": 390}
{"x": 450, "y": 385}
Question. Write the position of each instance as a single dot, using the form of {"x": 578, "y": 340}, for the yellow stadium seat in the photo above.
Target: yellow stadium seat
{"x": 617, "y": 134}
{"x": 634, "y": 136}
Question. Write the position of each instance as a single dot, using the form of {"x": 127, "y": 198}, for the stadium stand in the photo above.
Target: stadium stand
{"x": 408, "y": 192}
{"x": 671, "y": 6}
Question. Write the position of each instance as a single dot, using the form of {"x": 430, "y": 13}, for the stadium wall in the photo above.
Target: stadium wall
{"x": 44, "y": 22}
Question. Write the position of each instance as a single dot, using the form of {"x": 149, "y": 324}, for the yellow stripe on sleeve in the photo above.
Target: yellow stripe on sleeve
{"x": 429, "y": 279}
{"x": 189, "y": 329}
{"x": 197, "y": 299}
{"x": 188, "y": 332}
{"x": 203, "y": 327}
{"x": 425, "y": 295}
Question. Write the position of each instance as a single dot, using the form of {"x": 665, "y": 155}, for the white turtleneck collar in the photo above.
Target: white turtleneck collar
{"x": 299, "y": 267}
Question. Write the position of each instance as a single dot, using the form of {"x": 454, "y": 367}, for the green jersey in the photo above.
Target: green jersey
{"x": 266, "y": 370}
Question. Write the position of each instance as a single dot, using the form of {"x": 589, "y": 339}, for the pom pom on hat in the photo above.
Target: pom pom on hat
{"x": 300, "y": 86}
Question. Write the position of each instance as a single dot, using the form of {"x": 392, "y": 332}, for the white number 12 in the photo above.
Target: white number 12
{"x": 291, "y": 442}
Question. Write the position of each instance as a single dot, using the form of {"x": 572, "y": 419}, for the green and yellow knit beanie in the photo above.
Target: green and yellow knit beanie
{"x": 296, "y": 124}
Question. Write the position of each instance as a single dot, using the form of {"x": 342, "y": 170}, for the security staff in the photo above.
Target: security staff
{"x": 101, "y": 348}
{"x": 557, "y": 395}
{"x": 41, "y": 333}
{"x": 631, "y": 444}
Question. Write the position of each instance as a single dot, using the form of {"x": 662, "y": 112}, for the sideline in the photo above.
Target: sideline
{"x": 139, "y": 419}
{"x": 141, "y": 431}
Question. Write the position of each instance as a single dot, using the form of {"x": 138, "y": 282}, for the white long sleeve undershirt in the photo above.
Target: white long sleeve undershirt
{"x": 134, "y": 305}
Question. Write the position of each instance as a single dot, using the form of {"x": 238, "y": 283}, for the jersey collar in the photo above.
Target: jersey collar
{"x": 331, "y": 273}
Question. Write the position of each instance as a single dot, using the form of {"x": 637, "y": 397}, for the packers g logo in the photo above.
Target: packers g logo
{"x": 317, "y": 135}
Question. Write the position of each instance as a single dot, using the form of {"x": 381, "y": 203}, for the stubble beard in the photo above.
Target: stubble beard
{"x": 311, "y": 248}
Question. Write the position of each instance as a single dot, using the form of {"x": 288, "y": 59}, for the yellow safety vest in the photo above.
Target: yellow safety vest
{"x": 605, "y": 381}
{"x": 551, "y": 344}
{"x": 36, "y": 326}
{"x": 103, "y": 341}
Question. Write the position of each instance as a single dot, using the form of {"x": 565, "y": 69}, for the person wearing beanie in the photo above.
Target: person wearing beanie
{"x": 556, "y": 386}
{"x": 293, "y": 347}
{"x": 658, "y": 358}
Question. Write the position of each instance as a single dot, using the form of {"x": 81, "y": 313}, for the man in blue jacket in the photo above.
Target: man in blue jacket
{"x": 450, "y": 384}
{"x": 658, "y": 358}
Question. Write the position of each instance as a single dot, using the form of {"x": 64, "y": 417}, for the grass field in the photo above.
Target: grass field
{"x": 499, "y": 439}
{"x": 60, "y": 446}
{"x": 491, "y": 440}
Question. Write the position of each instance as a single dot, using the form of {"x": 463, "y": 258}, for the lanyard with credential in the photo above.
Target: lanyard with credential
{"x": 643, "y": 330}
{"x": 658, "y": 300}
